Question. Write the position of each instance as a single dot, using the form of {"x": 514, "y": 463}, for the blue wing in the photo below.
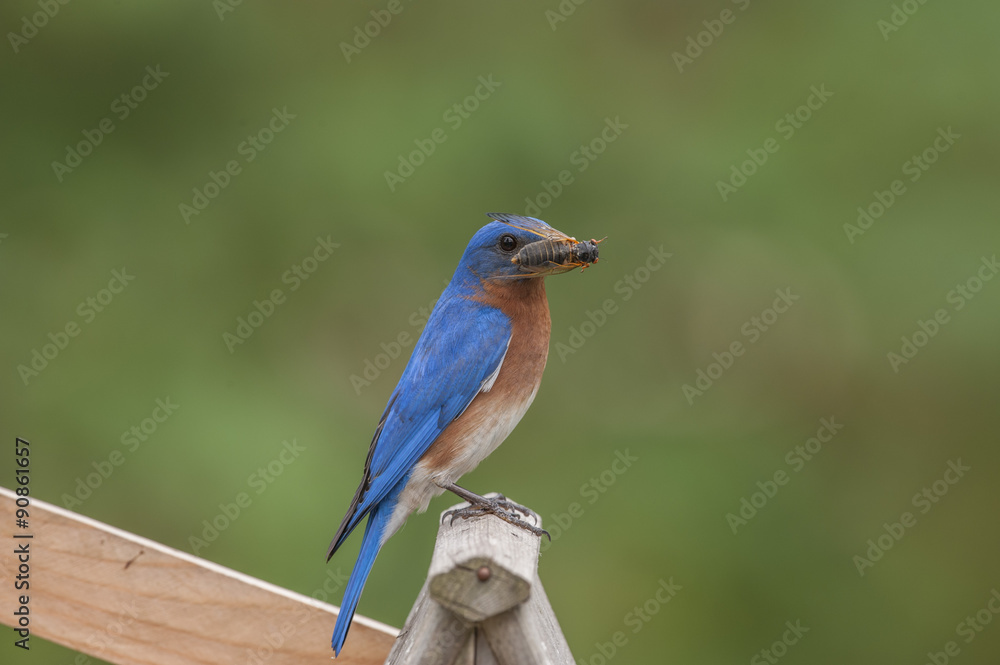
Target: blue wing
{"x": 459, "y": 352}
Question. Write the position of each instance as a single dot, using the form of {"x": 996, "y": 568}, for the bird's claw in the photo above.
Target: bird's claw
{"x": 504, "y": 509}
{"x": 512, "y": 507}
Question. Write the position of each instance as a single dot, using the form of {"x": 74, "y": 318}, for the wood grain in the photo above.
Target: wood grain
{"x": 432, "y": 636}
{"x": 462, "y": 618}
{"x": 126, "y": 599}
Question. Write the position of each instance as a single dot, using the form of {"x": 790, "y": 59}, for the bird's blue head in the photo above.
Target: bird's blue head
{"x": 514, "y": 247}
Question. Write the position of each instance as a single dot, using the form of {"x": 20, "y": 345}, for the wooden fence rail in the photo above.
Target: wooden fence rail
{"x": 128, "y": 600}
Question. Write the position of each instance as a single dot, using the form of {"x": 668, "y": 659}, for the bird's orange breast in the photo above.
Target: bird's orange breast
{"x": 492, "y": 415}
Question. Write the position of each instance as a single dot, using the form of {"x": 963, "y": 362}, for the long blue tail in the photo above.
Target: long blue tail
{"x": 371, "y": 543}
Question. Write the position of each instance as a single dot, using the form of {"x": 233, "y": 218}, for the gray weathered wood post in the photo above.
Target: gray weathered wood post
{"x": 482, "y": 602}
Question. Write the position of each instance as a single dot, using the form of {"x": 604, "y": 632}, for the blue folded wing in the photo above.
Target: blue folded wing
{"x": 460, "y": 350}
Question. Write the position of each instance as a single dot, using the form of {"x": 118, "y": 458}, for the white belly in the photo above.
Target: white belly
{"x": 478, "y": 432}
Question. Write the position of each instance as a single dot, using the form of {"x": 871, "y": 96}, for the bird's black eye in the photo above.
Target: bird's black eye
{"x": 507, "y": 242}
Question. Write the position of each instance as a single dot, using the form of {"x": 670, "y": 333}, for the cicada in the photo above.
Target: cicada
{"x": 555, "y": 254}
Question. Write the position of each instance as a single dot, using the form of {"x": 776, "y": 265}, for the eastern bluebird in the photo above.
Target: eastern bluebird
{"x": 473, "y": 373}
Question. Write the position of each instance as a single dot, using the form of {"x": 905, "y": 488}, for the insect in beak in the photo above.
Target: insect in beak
{"x": 555, "y": 255}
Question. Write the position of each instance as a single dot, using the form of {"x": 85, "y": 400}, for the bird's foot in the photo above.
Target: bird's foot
{"x": 515, "y": 508}
{"x": 501, "y": 507}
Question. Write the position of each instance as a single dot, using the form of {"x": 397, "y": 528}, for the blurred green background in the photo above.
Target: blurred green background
{"x": 554, "y": 85}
